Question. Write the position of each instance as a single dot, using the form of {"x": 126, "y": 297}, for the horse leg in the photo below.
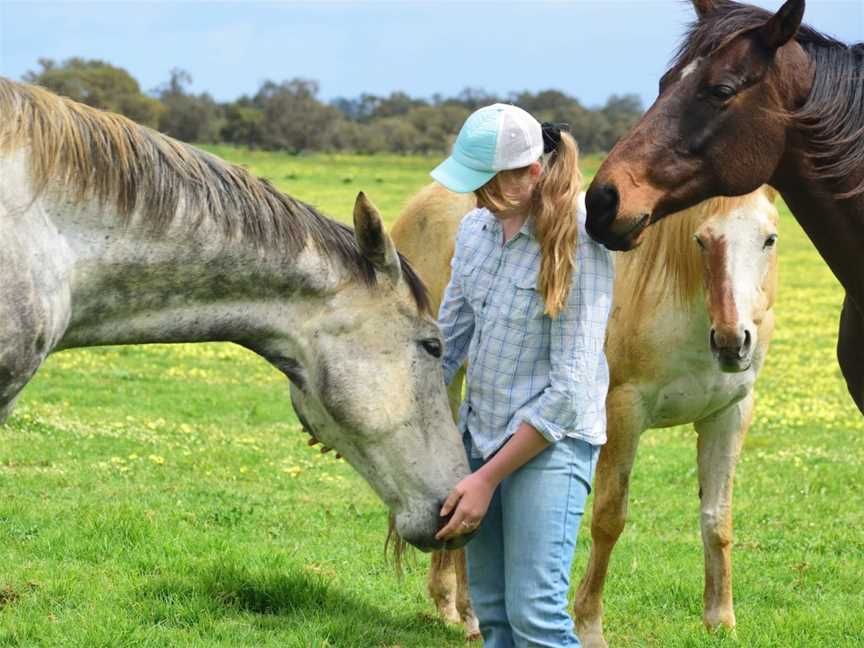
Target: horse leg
{"x": 32, "y": 318}
{"x": 441, "y": 583}
{"x": 611, "y": 484}
{"x": 850, "y": 350}
{"x": 447, "y": 579}
{"x": 6, "y": 410}
{"x": 463, "y": 597}
{"x": 23, "y": 348}
{"x": 17, "y": 367}
{"x": 454, "y": 392}
{"x": 719, "y": 446}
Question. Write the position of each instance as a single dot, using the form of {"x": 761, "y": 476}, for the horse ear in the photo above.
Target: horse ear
{"x": 374, "y": 243}
{"x": 704, "y": 7}
{"x": 783, "y": 25}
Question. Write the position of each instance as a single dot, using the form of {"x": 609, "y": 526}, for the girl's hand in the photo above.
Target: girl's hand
{"x": 471, "y": 499}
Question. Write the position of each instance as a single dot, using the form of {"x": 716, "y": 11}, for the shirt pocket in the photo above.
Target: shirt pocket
{"x": 470, "y": 276}
{"x": 525, "y": 311}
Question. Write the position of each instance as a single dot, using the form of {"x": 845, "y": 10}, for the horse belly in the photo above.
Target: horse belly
{"x": 692, "y": 397}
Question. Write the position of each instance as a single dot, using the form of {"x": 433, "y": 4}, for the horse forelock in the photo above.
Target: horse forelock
{"x": 88, "y": 154}
{"x": 669, "y": 262}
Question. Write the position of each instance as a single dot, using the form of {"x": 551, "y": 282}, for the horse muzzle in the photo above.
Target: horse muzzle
{"x": 732, "y": 350}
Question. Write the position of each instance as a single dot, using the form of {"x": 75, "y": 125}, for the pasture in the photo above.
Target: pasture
{"x": 165, "y": 495}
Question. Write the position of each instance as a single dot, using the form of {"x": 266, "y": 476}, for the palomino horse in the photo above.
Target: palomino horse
{"x": 679, "y": 301}
{"x": 752, "y": 98}
{"x": 115, "y": 234}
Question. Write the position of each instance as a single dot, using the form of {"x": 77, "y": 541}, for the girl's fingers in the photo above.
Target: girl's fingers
{"x": 452, "y": 528}
{"x": 450, "y": 503}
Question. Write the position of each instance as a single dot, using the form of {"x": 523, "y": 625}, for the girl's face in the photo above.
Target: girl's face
{"x": 519, "y": 187}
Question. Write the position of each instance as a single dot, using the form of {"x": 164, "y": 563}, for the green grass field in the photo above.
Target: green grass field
{"x": 165, "y": 495}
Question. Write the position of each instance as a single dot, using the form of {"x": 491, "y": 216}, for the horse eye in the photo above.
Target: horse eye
{"x": 721, "y": 92}
{"x": 699, "y": 241}
{"x": 432, "y": 346}
{"x": 770, "y": 241}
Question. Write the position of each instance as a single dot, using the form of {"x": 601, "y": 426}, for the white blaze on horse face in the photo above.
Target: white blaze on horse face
{"x": 691, "y": 68}
{"x": 738, "y": 257}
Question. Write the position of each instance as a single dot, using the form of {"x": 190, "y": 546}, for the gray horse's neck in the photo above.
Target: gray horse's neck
{"x": 127, "y": 286}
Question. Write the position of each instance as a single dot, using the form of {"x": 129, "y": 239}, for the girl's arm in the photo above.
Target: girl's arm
{"x": 473, "y": 494}
{"x": 576, "y": 348}
{"x": 455, "y": 318}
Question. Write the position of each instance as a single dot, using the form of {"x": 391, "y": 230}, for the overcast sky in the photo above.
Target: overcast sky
{"x": 588, "y": 48}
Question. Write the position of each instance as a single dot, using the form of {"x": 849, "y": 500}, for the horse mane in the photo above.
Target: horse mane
{"x": 833, "y": 115}
{"x": 668, "y": 261}
{"x": 89, "y": 154}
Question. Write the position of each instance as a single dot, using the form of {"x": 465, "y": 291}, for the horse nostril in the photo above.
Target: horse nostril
{"x": 713, "y": 338}
{"x": 747, "y": 339}
{"x": 601, "y": 202}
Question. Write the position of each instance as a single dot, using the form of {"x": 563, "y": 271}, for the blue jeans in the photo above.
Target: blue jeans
{"x": 519, "y": 561}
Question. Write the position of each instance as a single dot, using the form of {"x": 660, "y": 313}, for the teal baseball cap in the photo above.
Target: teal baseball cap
{"x": 494, "y": 138}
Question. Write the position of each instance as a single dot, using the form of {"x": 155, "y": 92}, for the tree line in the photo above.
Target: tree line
{"x": 290, "y": 116}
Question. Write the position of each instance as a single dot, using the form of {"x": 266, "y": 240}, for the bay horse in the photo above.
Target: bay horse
{"x": 752, "y": 98}
{"x": 698, "y": 277}
{"x": 115, "y": 234}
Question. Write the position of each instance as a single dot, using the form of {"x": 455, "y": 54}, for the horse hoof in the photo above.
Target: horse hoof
{"x": 719, "y": 621}
{"x": 593, "y": 641}
{"x": 472, "y": 629}
{"x": 591, "y": 637}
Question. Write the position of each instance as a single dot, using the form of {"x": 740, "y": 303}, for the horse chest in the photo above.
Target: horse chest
{"x": 695, "y": 394}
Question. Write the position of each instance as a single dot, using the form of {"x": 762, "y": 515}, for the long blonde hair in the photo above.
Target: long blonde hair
{"x": 553, "y": 208}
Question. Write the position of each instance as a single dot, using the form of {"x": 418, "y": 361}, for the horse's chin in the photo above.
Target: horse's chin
{"x": 626, "y": 241}
{"x": 732, "y": 364}
{"x": 459, "y": 541}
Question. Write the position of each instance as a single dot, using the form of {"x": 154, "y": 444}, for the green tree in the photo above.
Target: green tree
{"x": 243, "y": 124}
{"x": 293, "y": 117}
{"x": 188, "y": 117}
{"x": 100, "y": 85}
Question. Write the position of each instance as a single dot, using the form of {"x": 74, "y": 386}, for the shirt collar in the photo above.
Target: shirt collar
{"x": 493, "y": 225}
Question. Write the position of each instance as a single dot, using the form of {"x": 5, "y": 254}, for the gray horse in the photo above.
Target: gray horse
{"x": 114, "y": 234}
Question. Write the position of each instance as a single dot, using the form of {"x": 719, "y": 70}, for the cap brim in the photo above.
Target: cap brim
{"x": 460, "y": 178}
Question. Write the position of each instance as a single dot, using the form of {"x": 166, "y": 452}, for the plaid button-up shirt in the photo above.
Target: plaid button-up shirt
{"x": 522, "y": 364}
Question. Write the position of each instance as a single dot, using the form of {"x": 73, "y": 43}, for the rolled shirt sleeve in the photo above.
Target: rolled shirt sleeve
{"x": 576, "y": 351}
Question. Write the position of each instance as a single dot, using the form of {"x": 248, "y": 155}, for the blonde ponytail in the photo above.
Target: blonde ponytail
{"x": 553, "y": 206}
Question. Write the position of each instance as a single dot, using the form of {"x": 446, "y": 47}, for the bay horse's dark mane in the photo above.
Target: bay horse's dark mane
{"x": 833, "y": 115}
{"x": 95, "y": 155}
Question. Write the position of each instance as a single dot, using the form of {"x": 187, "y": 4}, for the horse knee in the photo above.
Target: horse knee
{"x": 443, "y": 587}
{"x": 607, "y": 528}
{"x": 610, "y": 511}
{"x": 716, "y": 528}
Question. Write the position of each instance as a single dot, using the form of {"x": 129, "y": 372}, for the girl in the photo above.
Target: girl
{"x": 527, "y": 304}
